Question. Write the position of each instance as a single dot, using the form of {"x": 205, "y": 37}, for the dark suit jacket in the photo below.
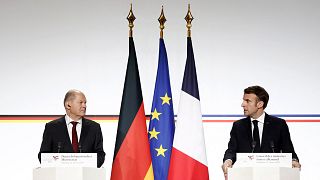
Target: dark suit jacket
{"x": 56, "y": 134}
{"x": 274, "y": 130}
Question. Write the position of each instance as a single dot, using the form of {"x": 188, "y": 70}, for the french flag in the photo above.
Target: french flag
{"x": 188, "y": 158}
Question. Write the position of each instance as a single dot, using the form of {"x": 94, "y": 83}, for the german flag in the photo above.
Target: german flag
{"x": 132, "y": 159}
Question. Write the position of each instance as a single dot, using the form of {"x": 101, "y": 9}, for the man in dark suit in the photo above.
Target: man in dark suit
{"x": 61, "y": 135}
{"x": 246, "y": 133}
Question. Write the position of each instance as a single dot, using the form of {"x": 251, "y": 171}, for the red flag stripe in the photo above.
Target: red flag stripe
{"x": 185, "y": 167}
{"x": 132, "y": 159}
{"x": 103, "y": 118}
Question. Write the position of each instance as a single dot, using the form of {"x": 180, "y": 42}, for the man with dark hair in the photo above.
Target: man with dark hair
{"x": 246, "y": 133}
{"x": 73, "y": 133}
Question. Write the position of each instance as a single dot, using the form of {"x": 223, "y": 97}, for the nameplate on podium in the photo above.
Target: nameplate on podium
{"x": 264, "y": 160}
{"x": 68, "y": 160}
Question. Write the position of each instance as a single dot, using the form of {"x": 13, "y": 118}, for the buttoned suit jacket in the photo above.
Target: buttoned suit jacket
{"x": 275, "y": 138}
{"x": 56, "y": 139}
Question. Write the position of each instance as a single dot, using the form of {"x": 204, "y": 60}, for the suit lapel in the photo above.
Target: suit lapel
{"x": 267, "y": 129}
{"x": 84, "y": 130}
{"x": 65, "y": 134}
{"x": 248, "y": 130}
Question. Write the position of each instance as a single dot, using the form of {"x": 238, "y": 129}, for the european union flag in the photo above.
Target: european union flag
{"x": 161, "y": 126}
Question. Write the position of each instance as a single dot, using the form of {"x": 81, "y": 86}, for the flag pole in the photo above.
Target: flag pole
{"x": 188, "y": 162}
{"x": 132, "y": 158}
{"x": 162, "y": 19}
{"x": 161, "y": 126}
{"x": 131, "y": 18}
{"x": 189, "y": 19}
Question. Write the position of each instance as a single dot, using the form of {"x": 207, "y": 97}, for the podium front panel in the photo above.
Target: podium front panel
{"x": 263, "y": 173}
{"x": 69, "y": 173}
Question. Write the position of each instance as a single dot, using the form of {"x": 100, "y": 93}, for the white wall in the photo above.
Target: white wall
{"x": 48, "y": 47}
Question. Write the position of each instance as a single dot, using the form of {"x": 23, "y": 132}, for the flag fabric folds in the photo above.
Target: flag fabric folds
{"x": 132, "y": 159}
{"x": 188, "y": 158}
{"x": 161, "y": 126}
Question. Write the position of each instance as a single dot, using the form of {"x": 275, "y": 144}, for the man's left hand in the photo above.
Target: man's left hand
{"x": 296, "y": 164}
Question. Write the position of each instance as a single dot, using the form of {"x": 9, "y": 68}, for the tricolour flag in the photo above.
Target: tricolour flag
{"x": 188, "y": 158}
{"x": 161, "y": 126}
{"x": 132, "y": 159}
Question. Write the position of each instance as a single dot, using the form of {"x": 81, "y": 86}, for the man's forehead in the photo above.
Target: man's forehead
{"x": 250, "y": 96}
{"x": 80, "y": 96}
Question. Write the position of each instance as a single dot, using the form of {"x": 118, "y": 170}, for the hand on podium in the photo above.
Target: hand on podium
{"x": 227, "y": 164}
{"x": 296, "y": 164}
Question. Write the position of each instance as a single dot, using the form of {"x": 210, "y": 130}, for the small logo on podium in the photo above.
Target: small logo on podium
{"x": 251, "y": 157}
{"x": 55, "y": 157}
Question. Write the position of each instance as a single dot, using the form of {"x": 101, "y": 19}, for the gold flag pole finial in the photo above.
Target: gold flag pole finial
{"x": 189, "y": 18}
{"x": 162, "y": 20}
{"x": 130, "y": 18}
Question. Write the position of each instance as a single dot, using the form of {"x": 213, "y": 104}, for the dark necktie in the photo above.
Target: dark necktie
{"x": 256, "y": 137}
{"x": 75, "y": 144}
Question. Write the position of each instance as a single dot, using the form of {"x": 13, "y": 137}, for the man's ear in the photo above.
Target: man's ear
{"x": 260, "y": 104}
{"x": 68, "y": 105}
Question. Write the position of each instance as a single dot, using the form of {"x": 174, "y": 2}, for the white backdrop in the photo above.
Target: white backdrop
{"x": 48, "y": 47}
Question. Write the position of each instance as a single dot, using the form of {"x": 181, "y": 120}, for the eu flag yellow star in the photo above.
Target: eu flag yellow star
{"x": 153, "y": 133}
{"x": 155, "y": 114}
{"x": 161, "y": 151}
{"x": 166, "y": 99}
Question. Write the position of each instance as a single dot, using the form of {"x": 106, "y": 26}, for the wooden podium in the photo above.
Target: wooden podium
{"x": 263, "y": 173}
{"x": 69, "y": 173}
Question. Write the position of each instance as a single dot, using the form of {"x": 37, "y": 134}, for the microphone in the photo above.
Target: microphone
{"x": 59, "y": 147}
{"x": 272, "y": 146}
{"x": 80, "y": 148}
{"x": 253, "y": 145}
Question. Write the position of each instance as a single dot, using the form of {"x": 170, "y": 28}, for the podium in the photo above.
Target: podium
{"x": 263, "y": 173}
{"x": 69, "y": 166}
{"x": 69, "y": 173}
{"x": 263, "y": 166}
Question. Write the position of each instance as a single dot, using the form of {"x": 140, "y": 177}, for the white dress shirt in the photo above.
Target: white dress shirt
{"x": 69, "y": 126}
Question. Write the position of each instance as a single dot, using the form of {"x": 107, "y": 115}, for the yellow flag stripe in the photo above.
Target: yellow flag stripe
{"x": 149, "y": 175}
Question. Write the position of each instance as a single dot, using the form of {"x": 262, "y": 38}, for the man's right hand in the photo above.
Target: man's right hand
{"x": 227, "y": 164}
